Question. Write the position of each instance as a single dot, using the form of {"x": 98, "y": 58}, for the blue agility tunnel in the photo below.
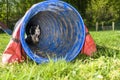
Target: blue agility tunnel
{"x": 62, "y": 31}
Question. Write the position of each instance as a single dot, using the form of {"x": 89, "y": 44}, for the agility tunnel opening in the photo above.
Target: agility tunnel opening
{"x": 62, "y": 31}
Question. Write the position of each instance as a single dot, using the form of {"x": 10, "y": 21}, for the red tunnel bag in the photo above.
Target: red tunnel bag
{"x": 14, "y": 51}
{"x": 89, "y": 46}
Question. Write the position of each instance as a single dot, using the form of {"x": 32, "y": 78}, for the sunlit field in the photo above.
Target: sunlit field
{"x": 103, "y": 65}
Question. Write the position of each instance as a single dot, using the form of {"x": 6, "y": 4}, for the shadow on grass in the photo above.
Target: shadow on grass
{"x": 101, "y": 51}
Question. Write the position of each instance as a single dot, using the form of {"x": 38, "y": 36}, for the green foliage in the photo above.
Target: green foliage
{"x": 13, "y": 10}
{"x": 3, "y": 6}
{"x": 90, "y": 10}
{"x": 101, "y": 11}
{"x": 103, "y": 65}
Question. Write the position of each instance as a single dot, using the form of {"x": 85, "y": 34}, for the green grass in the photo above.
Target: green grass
{"x": 103, "y": 65}
{"x": 4, "y": 39}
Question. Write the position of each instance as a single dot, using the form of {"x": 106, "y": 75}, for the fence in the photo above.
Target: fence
{"x": 105, "y": 27}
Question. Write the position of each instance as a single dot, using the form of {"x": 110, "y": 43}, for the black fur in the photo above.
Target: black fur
{"x": 34, "y": 35}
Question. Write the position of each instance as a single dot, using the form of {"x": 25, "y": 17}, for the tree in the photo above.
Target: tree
{"x": 100, "y": 11}
{"x": 3, "y": 9}
{"x": 12, "y": 10}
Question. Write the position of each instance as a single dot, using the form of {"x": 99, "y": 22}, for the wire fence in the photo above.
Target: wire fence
{"x": 105, "y": 27}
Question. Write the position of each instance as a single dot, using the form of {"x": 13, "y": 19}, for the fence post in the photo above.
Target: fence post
{"x": 113, "y": 25}
{"x": 96, "y": 26}
{"x": 102, "y": 25}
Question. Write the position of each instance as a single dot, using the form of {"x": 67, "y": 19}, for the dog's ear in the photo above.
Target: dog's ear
{"x": 32, "y": 30}
{"x": 38, "y": 26}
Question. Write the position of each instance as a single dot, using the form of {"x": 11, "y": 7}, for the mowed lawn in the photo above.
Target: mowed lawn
{"x": 103, "y": 65}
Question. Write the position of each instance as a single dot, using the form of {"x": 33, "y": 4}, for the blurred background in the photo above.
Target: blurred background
{"x": 101, "y": 13}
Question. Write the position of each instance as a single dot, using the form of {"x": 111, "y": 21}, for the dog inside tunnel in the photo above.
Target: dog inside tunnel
{"x": 56, "y": 31}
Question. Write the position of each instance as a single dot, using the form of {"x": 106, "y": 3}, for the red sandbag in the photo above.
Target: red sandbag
{"x": 89, "y": 46}
{"x": 14, "y": 51}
